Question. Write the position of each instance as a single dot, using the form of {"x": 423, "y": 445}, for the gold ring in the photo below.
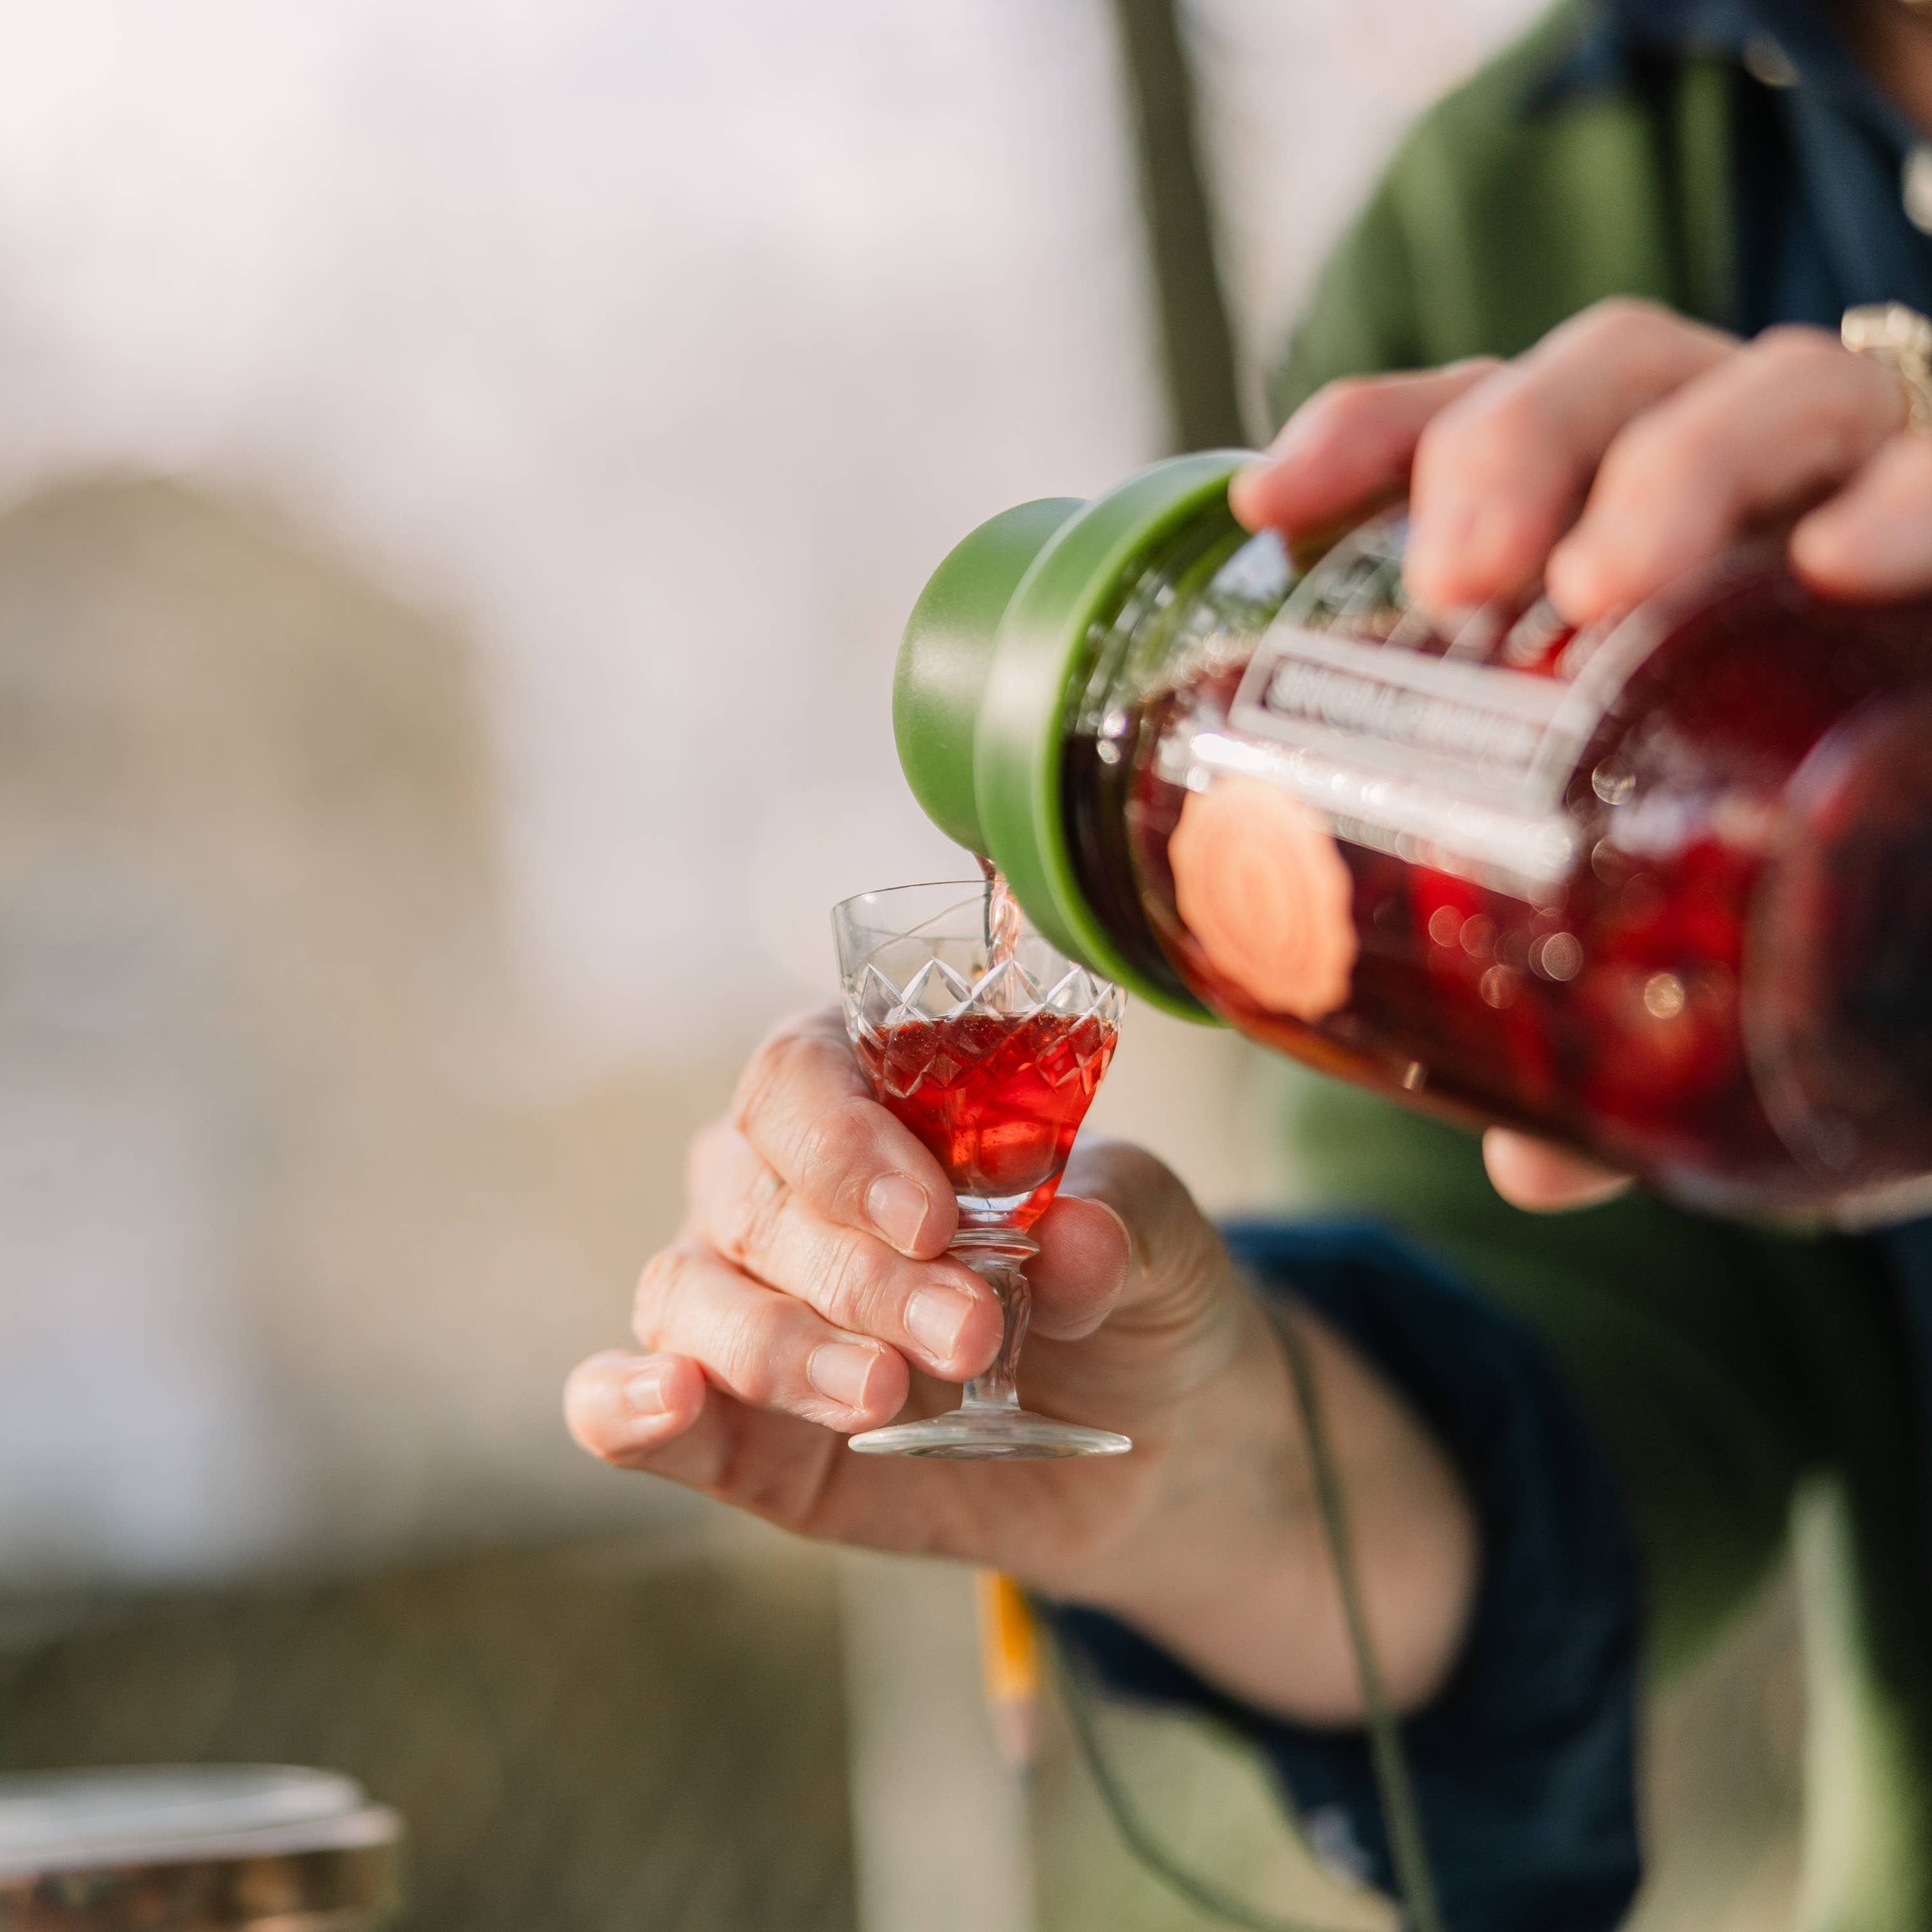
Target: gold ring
{"x": 1901, "y": 339}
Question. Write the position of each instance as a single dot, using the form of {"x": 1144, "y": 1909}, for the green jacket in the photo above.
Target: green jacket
{"x": 1748, "y": 1384}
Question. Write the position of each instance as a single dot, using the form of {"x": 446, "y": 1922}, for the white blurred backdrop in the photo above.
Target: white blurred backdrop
{"x": 654, "y": 353}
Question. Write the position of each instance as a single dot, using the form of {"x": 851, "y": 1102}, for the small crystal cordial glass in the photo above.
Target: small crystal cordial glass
{"x": 989, "y": 1043}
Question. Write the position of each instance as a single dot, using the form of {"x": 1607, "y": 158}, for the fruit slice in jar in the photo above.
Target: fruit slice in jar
{"x": 1260, "y": 883}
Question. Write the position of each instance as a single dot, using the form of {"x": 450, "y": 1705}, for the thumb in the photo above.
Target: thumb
{"x": 1124, "y": 1243}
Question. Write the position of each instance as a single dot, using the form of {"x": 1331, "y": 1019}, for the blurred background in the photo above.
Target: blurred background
{"x": 465, "y": 467}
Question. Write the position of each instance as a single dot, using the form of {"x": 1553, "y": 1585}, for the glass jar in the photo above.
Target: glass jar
{"x": 1661, "y": 890}
{"x": 195, "y": 1848}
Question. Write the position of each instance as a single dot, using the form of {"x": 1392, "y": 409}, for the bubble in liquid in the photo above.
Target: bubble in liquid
{"x": 1558, "y": 956}
{"x": 1479, "y": 935}
{"x": 1612, "y": 782}
{"x": 1663, "y": 996}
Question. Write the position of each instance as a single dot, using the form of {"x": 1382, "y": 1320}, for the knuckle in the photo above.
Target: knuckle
{"x": 1626, "y": 322}
{"x": 764, "y": 1211}
{"x": 854, "y": 1281}
{"x": 755, "y": 1218}
{"x": 1343, "y": 396}
{"x": 1343, "y": 408}
{"x": 1645, "y": 342}
{"x": 838, "y": 1139}
{"x": 745, "y": 1356}
{"x": 1839, "y": 397}
{"x": 1790, "y": 345}
{"x": 663, "y": 1279}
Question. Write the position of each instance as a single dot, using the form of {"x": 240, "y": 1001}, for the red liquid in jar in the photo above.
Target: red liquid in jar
{"x": 1632, "y": 1010}
{"x": 997, "y": 1100}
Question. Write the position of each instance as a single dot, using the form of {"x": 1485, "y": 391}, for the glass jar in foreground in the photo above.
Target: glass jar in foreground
{"x": 1661, "y": 890}
{"x": 195, "y": 1848}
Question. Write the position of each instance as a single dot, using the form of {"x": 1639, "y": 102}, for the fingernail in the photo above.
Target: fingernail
{"x": 936, "y": 1318}
{"x": 898, "y": 1208}
{"x": 645, "y": 1391}
{"x": 840, "y": 1370}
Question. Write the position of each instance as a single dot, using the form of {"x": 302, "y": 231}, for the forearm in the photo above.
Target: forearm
{"x": 1230, "y": 1569}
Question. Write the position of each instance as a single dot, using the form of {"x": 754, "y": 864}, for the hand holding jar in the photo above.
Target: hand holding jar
{"x": 1637, "y": 861}
{"x": 1627, "y": 448}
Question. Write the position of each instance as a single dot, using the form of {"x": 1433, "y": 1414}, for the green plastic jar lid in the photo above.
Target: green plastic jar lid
{"x": 994, "y": 653}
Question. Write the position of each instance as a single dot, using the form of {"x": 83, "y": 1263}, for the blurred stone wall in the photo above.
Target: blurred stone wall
{"x": 301, "y": 1242}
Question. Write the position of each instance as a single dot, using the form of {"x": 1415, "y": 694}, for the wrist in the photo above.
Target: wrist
{"x": 1229, "y": 1567}
{"x": 1228, "y": 1538}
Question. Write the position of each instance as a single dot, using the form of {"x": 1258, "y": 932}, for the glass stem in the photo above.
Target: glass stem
{"x": 999, "y": 1262}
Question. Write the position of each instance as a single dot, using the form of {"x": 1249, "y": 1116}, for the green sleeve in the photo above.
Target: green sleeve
{"x": 1740, "y": 1379}
{"x": 1505, "y": 210}
{"x": 1720, "y": 1364}
{"x": 1364, "y": 315}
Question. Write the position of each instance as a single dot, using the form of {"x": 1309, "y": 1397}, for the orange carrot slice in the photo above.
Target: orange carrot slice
{"x": 1260, "y": 882}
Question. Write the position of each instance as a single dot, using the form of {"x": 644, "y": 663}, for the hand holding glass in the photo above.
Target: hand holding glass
{"x": 992, "y": 1061}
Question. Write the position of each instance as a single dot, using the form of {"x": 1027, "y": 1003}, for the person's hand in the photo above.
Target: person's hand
{"x": 810, "y": 1297}
{"x": 1628, "y": 446}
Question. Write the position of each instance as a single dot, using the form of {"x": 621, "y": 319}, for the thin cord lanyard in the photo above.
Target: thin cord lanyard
{"x": 1408, "y": 1852}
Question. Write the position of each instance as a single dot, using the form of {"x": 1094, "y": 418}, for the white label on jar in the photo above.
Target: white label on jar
{"x": 1458, "y": 752}
{"x": 1468, "y": 727}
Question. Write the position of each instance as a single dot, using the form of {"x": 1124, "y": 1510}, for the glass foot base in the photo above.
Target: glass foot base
{"x": 991, "y": 1435}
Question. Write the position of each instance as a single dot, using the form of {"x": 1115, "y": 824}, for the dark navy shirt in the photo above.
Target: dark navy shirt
{"x": 1524, "y": 1766}
{"x": 1820, "y": 160}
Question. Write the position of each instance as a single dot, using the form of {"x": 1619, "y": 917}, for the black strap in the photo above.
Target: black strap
{"x": 1407, "y": 1850}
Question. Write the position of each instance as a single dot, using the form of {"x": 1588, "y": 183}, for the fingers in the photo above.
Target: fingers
{"x": 937, "y": 1312}
{"x": 1874, "y": 538}
{"x": 804, "y": 1105}
{"x": 783, "y": 1468}
{"x": 623, "y": 1408}
{"x": 1769, "y": 429}
{"x": 1500, "y": 472}
{"x": 1532, "y": 1174}
{"x": 1673, "y": 439}
{"x": 1347, "y": 445}
{"x": 768, "y": 1350}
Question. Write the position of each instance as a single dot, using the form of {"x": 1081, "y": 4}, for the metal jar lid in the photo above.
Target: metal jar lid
{"x": 195, "y": 1848}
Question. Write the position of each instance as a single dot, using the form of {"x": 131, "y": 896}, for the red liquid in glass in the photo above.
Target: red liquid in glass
{"x": 998, "y": 1100}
